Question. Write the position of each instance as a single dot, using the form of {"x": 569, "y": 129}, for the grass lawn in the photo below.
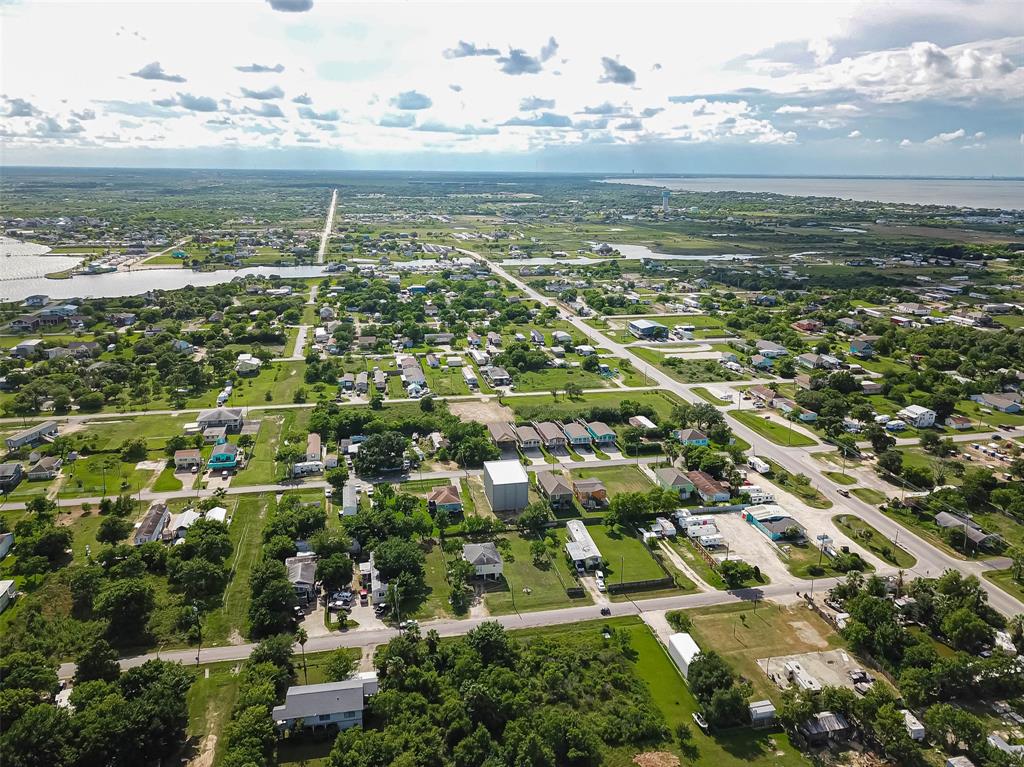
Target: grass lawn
{"x": 804, "y": 491}
{"x": 869, "y": 495}
{"x": 617, "y": 479}
{"x": 1004, "y": 579}
{"x": 868, "y": 537}
{"x": 542, "y": 406}
{"x": 87, "y": 477}
{"x": 436, "y": 603}
{"x": 926, "y": 528}
{"x": 840, "y": 478}
{"x": 625, "y": 556}
{"x": 167, "y": 481}
{"x": 743, "y": 636}
{"x": 682, "y": 369}
{"x": 689, "y": 555}
{"x": 704, "y": 394}
{"x": 210, "y": 700}
{"x": 776, "y": 432}
{"x": 155, "y": 430}
{"x": 741, "y": 747}
{"x": 804, "y": 556}
{"x": 559, "y": 378}
{"x": 262, "y": 467}
{"x": 249, "y": 514}
{"x": 546, "y": 584}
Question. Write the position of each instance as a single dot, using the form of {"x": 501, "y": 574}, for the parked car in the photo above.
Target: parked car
{"x": 700, "y": 721}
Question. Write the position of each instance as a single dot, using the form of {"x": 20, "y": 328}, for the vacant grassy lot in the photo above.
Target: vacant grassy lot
{"x": 801, "y": 489}
{"x": 617, "y": 479}
{"x": 869, "y": 495}
{"x": 868, "y": 537}
{"x": 840, "y": 478}
{"x": 742, "y": 636}
{"x": 527, "y": 586}
{"x": 436, "y": 603}
{"x": 802, "y": 557}
{"x": 741, "y": 747}
{"x": 542, "y": 405}
{"x": 626, "y": 558}
{"x": 704, "y": 394}
{"x": 776, "y": 432}
{"x": 1004, "y": 579}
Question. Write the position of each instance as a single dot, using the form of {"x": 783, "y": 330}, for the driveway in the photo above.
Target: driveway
{"x": 587, "y": 454}
{"x": 535, "y": 456}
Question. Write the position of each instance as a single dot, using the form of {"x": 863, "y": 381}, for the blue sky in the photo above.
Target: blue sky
{"x": 726, "y": 87}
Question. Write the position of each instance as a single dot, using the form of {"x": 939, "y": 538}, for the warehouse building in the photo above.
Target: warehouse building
{"x": 506, "y": 485}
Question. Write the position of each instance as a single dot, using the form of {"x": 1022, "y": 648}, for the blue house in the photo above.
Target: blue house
{"x": 225, "y": 456}
{"x": 691, "y": 437}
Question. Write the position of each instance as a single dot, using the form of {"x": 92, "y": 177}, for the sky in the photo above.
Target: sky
{"x": 929, "y": 87}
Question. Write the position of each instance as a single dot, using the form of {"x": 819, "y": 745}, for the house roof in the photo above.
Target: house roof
{"x": 301, "y": 569}
{"x": 527, "y": 434}
{"x": 152, "y": 520}
{"x": 502, "y": 432}
{"x": 445, "y": 494}
{"x": 574, "y": 430}
{"x": 313, "y": 699}
{"x": 673, "y": 477}
{"x": 549, "y": 431}
{"x": 553, "y": 484}
{"x": 692, "y": 435}
{"x": 196, "y": 454}
{"x": 505, "y": 472}
{"x": 481, "y": 554}
{"x": 705, "y": 483}
{"x": 8, "y": 470}
{"x": 600, "y": 429}
{"x": 588, "y": 485}
{"x": 220, "y": 414}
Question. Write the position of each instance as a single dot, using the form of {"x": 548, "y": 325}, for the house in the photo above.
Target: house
{"x": 576, "y": 435}
{"x": 537, "y": 337}
{"x": 247, "y": 364}
{"x": 122, "y": 319}
{"x": 870, "y": 387}
{"x": 683, "y": 650}
{"x": 917, "y": 416}
{"x": 37, "y": 300}
{"x": 998, "y": 742}
{"x": 185, "y": 459}
{"x": 314, "y": 450}
{"x": 1000, "y": 402}
{"x": 349, "y": 500}
{"x": 708, "y": 488}
{"x": 370, "y": 576}
{"x": 789, "y": 408}
{"x": 761, "y": 362}
{"x": 46, "y": 467}
{"x": 550, "y": 435}
{"x": 503, "y": 435}
{"x": 215, "y": 435}
{"x": 469, "y": 376}
{"x": 581, "y": 547}
{"x": 808, "y": 326}
{"x": 555, "y": 488}
{"x": 563, "y": 338}
{"x": 529, "y": 439}
{"x": 151, "y": 528}
{"x": 774, "y": 522}
{"x": 362, "y": 384}
{"x": 217, "y": 514}
{"x": 770, "y": 349}
{"x": 7, "y": 594}
{"x": 485, "y": 559}
{"x": 224, "y": 456}
{"x": 302, "y": 575}
{"x": 25, "y": 323}
{"x": 910, "y": 307}
{"x": 762, "y": 713}
{"x": 647, "y": 329}
{"x": 445, "y": 498}
{"x": 347, "y": 382}
{"x": 6, "y": 542}
{"x": 809, "y": 361}
{"x": 32, "y": 435}
{"x": 958, "y": 422}
{"x": 498, "y": 376}
{"x": 825, "y": 726}
{"x": 335, "y": 705}
{"x": 29, "y": 348}
{"x": 862, "y": 347}
{"x": 494, "y": 339}
{"x": 380, "y": 380}
{"x": 642, "y": 422}
{"x": 10, "y": 476}
{"x": 601, "y": 433}
{"x": 674, "y": 480}
{"x": 179, "y": 524}
{"x": 307, "y": 468}
{"x": 691, "y": 437}
{"x": 591, "y": 493}
{"x": 230, "y": 418}
{"x": 506, "y": 485}
{"x": 967, "y": 529}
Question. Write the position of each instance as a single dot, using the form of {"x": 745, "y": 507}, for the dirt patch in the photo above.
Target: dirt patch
{"x": 70, "y": 514}
{"x": 808, "y": 634}
{"x": 482, "y": 411}
{"x": 656, "y": 759}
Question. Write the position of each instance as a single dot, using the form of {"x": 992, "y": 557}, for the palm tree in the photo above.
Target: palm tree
{"x": 302, "y": 637}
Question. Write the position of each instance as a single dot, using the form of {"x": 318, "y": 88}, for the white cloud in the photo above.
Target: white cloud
{"x": 945, "y": 138}
{"x": 855, "y": 134}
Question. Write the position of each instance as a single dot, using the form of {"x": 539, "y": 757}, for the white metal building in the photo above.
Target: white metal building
{"x": 682, "y": 649}
{"x": 506, "y": 485}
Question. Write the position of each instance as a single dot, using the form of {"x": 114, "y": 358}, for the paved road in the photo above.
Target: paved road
{"x": 360, "y": 637}
{"x": 930, "y": 560}
{"x": 306, "y": 484}
{"x": 328, "y": 225}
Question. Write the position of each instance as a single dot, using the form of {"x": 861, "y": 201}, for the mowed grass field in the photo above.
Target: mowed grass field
{"x": 776, "y": 432}
{"x": 527, "y": 587}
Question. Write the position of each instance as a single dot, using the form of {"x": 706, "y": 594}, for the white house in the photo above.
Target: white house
{"x": 917, "y": 416}
{"x": 581, "y": 547}
{"x": 333, "y": 704}
{"x": 7, "y": 592}
{"x": 247, "y": 363}
{"x": 485, "y": 559}
{"x": 682, "y": 649}
{"x": 152, "y": 526}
